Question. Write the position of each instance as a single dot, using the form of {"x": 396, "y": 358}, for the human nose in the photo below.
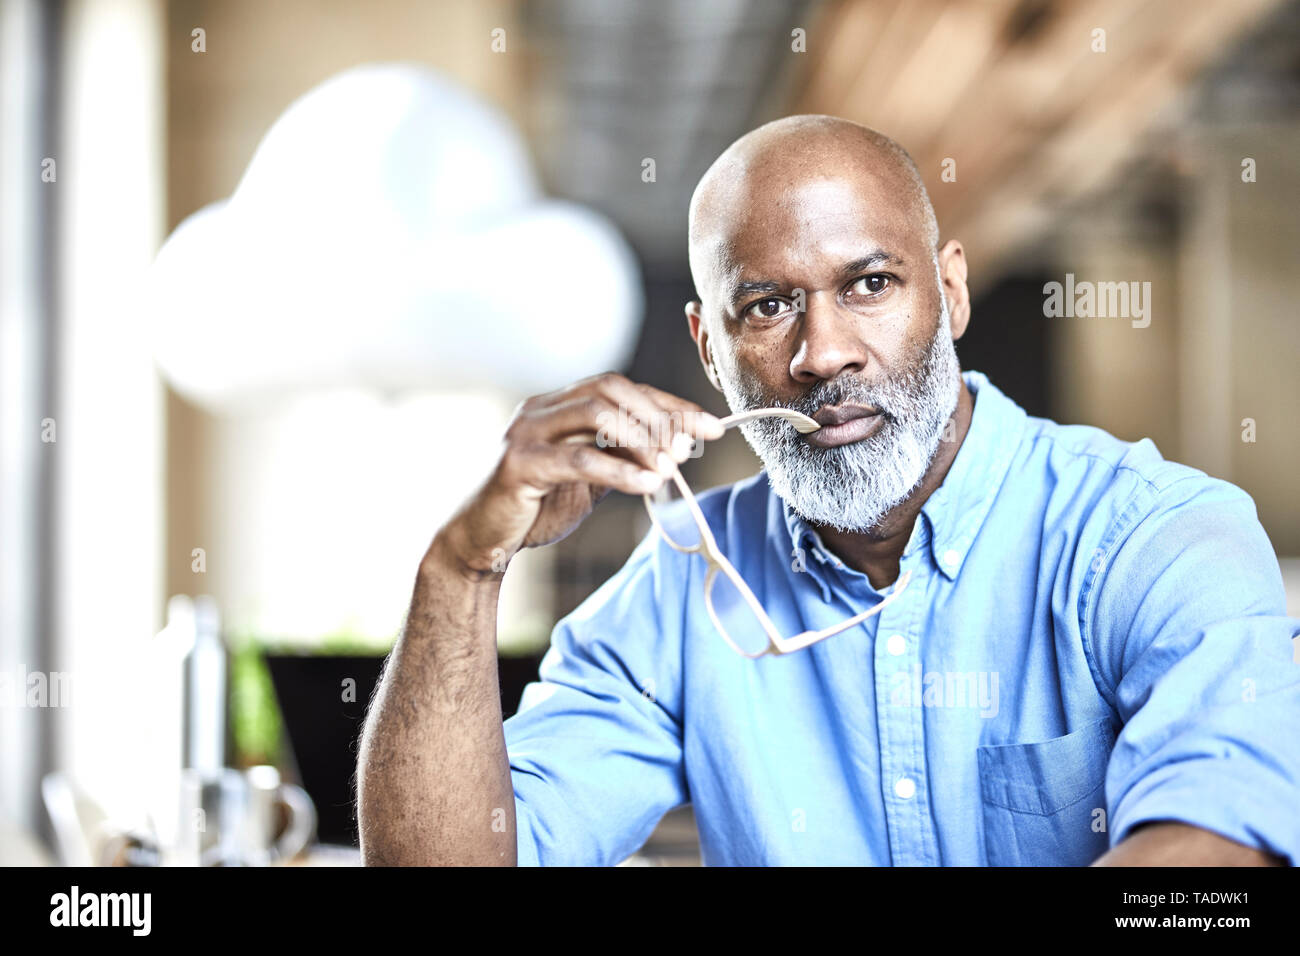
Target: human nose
{"x": 829, "y": 344}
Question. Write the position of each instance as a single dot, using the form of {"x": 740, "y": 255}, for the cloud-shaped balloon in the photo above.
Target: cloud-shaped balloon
{"x": 389, "y": 233}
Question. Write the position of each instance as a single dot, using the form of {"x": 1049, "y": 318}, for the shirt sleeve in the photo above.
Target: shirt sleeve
{"x": 596, "y": 747}
{"x": 1188, "y": 615}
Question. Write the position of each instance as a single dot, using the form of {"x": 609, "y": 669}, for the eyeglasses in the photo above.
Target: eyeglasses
{"x": 707, "y": 547}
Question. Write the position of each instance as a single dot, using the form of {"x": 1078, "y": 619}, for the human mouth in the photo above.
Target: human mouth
{"x": 844, "y": 424}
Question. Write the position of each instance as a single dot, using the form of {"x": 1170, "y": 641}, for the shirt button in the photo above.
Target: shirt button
{"x": 896, "y": 644}
{"x": 951, "y": 558}
{"x": 905, "y": 788}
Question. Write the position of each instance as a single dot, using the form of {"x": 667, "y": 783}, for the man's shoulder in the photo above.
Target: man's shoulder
{"x": 1109, "y": 460}
{"x": 746, "y": 505}
{"x": 1123, "y": 480}
{"x": 1052, "y": 462}
{"x": 753, "y": 492}
{"x": 743, "y": 511}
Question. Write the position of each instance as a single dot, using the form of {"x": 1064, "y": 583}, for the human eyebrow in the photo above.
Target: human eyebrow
{"x": 742, "y": 290}
{"x": 870, "y": 261}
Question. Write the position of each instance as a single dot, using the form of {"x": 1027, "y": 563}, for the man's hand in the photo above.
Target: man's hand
{"x": 1166, "y": 843}
{"x": 433, "y": 776}
{"x": 545, "y": 484}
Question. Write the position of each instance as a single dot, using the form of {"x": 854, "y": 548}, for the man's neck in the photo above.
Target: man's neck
{"x": 876, "y": 553}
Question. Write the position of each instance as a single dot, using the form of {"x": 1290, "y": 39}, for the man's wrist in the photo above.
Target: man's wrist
{"x": 444, "y": 560}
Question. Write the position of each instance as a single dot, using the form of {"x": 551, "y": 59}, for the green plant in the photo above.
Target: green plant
{"x": 254, "y": 714}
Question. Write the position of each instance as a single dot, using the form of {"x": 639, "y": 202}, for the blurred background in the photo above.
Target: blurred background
{"x": 220, "y": 465}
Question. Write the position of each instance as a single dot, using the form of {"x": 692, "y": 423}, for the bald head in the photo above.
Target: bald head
{"x": 766, "y": 170}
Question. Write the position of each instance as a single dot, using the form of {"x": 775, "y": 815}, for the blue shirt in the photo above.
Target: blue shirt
{"x": 1092, "y": 637}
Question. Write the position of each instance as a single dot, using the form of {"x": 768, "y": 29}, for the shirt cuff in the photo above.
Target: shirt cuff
{"x": 1227, "y": 797}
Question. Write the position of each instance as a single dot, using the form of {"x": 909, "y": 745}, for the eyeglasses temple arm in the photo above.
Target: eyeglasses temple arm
{"x": 801, "y": 422}
{"x": 800, "y": 641}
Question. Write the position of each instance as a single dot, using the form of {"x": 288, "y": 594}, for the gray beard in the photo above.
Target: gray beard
{"x": 852, "y": 487}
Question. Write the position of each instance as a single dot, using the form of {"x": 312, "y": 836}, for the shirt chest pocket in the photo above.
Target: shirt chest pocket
{"x": 1044, "y": 803}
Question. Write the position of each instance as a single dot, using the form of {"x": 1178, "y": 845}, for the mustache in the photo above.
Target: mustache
{"x": 844, "y": 390}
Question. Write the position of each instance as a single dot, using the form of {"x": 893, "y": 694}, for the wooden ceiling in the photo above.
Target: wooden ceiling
{"x": 1014, "y": 93}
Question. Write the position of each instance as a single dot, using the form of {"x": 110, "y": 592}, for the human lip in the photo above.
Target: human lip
{"x": 844, "y": 424}
{"x": 839, "y": 414}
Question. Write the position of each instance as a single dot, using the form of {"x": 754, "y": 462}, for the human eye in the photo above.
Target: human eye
{"x": 871, "y": 286}
{"x": 767, "y": 310}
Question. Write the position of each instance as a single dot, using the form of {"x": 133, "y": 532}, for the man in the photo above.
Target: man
{"x": 1090, "y": 661}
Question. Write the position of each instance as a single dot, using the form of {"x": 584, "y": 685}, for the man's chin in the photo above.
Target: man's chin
{"x": 836, "y": 521}
{"x": 840, "y": 499}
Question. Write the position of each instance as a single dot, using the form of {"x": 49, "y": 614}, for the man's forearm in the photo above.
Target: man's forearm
{"x": 433, "y": 779}
{"x": 1166, "y": 843}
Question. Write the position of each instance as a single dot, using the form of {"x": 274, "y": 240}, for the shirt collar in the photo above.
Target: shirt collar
{"x": 953, "y": 514}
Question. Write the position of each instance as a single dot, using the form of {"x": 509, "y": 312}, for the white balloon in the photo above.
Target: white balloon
{"x": 389, "y": 233}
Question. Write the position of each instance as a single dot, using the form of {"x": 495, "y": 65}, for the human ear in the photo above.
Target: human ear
{"x": 952, "y": 275}
{"x": 700, "y": 335}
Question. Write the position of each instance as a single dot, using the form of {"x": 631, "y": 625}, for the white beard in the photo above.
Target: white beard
{"x": 852, "y": 487}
